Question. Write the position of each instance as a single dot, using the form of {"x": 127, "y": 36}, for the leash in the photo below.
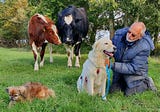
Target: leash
{"x": 108, "y": 68}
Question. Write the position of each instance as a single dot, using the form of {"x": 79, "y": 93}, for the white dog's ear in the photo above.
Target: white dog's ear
{"x": 94, "y": 46}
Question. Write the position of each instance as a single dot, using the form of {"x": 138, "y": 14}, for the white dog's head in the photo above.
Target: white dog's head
{"x": 104, "y": 46}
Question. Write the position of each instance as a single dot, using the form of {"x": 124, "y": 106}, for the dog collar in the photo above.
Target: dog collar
{"x": 96, "y": 65}
{"x": 107, "y": 62}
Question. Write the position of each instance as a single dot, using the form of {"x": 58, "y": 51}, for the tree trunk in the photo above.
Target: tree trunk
{"x": 137, "y": 19}
{"x": 125, "y": 20}
{"x": 111, "y": 24}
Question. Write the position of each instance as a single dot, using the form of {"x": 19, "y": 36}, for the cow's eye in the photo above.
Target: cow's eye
{"x": 106, "y": 43}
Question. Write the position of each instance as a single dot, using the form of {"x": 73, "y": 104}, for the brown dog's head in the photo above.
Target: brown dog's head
{"x": 16, "y": 93}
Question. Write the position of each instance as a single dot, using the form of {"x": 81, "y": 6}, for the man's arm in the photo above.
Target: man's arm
{"x": 137, "y": 66}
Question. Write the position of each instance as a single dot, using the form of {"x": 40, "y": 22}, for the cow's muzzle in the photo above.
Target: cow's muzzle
{"x": 68, "y": 41}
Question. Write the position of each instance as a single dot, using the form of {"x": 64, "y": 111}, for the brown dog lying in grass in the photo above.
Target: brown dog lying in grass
{"x": 28, "y": 92}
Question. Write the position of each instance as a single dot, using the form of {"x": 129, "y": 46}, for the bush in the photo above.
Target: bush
{"x": 156, "y": 51}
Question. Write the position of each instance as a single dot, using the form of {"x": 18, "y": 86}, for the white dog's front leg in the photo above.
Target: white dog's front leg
{"x": 103, "y": 86}
{"x": 90, "y": 86}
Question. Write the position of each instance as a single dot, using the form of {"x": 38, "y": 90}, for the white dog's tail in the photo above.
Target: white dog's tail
{"x": 80, "y": 84}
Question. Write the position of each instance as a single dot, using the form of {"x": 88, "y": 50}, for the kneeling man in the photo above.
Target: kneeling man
{"x": 130, "y": 69}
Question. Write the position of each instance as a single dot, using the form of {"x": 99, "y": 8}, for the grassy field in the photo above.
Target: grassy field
{"x": 16, "y": 68}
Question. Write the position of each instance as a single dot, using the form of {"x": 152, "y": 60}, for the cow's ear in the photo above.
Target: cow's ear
{"x": 59, "y": 14}
{"x": 40, "y": 20}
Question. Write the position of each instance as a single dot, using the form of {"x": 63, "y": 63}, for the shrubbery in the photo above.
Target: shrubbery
{"x": 156, "y": 51}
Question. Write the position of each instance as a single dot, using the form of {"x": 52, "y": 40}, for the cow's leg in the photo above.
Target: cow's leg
{"x": 77, "y": 53}
{"x": 50, "y": 53}
{"x": 72, "y": 52}
{"x": 35, "y": 53}
{"x": 42, "y": 54}
{"x": 69, "y": 54}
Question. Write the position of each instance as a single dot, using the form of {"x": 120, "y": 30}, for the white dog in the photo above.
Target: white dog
{"x": 93, "y": 76}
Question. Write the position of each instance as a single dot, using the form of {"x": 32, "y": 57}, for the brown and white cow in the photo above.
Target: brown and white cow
{"x": 41, "y": 30}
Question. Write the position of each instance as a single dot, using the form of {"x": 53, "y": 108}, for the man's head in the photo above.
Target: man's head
{"x": 136, "y": 31}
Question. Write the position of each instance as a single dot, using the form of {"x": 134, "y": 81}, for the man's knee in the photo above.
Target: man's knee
{"x": 146, "y": 84}
{"x": 137, "y": 89}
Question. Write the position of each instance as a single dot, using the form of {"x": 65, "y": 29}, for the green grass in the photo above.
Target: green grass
{"x": 16, "y": 68}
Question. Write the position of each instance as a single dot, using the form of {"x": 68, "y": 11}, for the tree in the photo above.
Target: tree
{"x": 13, "y": 19}
{"x": 152, "y": 21}
{"x": 52, "y": 7}
{"x": 102, "y": 14}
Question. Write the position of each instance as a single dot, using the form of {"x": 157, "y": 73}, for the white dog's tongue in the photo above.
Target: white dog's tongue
{"x": 108, "y": 53}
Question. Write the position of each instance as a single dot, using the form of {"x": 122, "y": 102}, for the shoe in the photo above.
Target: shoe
{"x": 151, "y": 85}
{"x": 138, "y": 89}
{"x": 114, "y": 87}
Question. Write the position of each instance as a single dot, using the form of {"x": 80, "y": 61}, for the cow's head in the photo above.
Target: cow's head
{"x": 48, "y": 27}
{"x": 68, "y": 28}
{"x": 71, "y": 24}
{"x": 51, "y": 34}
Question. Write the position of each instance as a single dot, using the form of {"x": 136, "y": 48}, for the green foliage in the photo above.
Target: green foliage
{"x": 156, "y": 52}
{"x": 17, "y": 69}
{"x": 100, "y": 14}
{"x": 52, "y": 7}
{"x": 14, "y": 15}
{"x": 13, "y": 19}
{"x": 152, "y": 18}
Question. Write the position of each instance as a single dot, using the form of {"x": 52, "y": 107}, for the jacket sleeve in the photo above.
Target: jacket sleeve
{"x": 138, "y": 65}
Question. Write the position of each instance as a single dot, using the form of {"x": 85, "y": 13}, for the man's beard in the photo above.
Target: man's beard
{"x": 127, "y": 38}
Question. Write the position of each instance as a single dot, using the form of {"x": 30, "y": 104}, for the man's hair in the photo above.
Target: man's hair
{"x": 143, "y": 28}
{"x": 142, "y": 25}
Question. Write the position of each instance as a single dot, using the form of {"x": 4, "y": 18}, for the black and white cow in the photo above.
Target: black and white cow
{"x": 72, "y": 25}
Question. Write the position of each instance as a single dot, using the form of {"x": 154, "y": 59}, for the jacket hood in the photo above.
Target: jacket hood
{"x": 147, "y": 37}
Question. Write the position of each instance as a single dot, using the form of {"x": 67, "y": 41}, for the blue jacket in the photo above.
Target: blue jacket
{"x": 131, "y": 59}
